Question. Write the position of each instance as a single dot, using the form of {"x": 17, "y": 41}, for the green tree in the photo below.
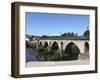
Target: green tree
{"x": 28, "y": 45}
{"x": 75, "y": 52}
{"x": 64, "y": 34}
{"x": 72, "y": 34}
{"x": 76, "y": 34}
{"x": 86, "y": 34}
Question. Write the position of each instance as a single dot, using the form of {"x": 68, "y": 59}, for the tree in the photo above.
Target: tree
{"x": 76, "y": 34}
{"x": 86, "y": 34}
{"x": 44, "y": 36}
{"x": 69, "y": 34}
{"x": 75, "y": 52}
{"x": 72, "y": 34}
{"x": 64, "y": 34}
{"x": 27, "y": 44}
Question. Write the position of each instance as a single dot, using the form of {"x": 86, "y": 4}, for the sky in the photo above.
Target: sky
{"x": 54, "y": 24}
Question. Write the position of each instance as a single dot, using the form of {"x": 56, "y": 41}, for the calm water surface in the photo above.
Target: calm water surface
{"x": 31, "y": 56}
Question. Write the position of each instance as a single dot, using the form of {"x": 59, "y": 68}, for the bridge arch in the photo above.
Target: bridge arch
{"x": 40, "y": 44}
{"x": 45, "y": 44}
{"x": 86, "y": 47}
{"x": 63, "y": 43}
{"x": 34, "y": 44}
{"x": 71, "y": 51}
{"x": 54, "y": 46}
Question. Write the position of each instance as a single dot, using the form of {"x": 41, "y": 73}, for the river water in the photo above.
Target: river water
{"x": 31, "y": 56}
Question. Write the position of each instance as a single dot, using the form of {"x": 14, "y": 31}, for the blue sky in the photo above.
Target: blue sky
{"x": 53, "y": 24}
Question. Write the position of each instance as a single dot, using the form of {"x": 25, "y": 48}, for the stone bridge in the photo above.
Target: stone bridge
{"x": 82, "y": 44}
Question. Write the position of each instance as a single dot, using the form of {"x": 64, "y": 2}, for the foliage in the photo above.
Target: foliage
{"x": 86, "y": 34}
{"x": 75, "y": 52}
{"x": 28, "y": 45}
{"x": 66, "y": 35}
{"x": 71, "y": 52}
